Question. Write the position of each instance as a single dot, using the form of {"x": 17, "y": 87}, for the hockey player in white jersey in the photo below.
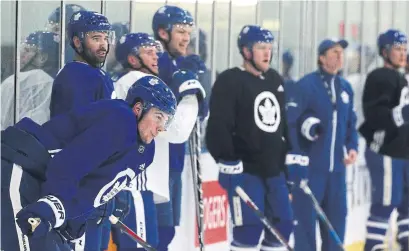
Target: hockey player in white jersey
{"x": 138, "y": 55}
{"x": 38, "y": 66}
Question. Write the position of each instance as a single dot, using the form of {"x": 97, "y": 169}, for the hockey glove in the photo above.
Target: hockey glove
{"x": 192, "y": 63}
{"x": 185, "y": 82}
{"x": 48, "y": 209}
{"x": 230, "y": 175}
{"x": 311, "y": 127}
{"x": 73, "y": 229}
{"x": 122, "y": 204}
{"x": 401, "y": 112}
{"x": 297, "y": 167}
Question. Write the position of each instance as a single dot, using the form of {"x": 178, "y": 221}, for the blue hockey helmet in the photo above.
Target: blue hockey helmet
{"x": 252, "y": 34}
{"x": 167, "y": 16}
{"x": 40, "y": 41}
{"x": 83, "y": 22}
{"x": 288, "y": 58}
{"x": 70, "y": 9}
{"x": 391, "y": 38}
{"x": 131, "y": 43}
{"x": 153, "y": 92}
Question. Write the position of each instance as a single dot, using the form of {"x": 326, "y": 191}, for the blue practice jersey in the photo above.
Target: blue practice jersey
{"x": 95, "y": 153}
{"x": 78, "y": 84}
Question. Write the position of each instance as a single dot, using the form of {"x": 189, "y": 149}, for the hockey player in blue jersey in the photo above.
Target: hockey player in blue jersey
{"x": 54, "y": 25}
{"x": 62, "y": 170}
{"x": 81, "y": 82}
{"x": 173, "y": 26}
{"x": 320, "y": 109}
{"x": 385, "y": 103}
{"x": 247, "y": 137}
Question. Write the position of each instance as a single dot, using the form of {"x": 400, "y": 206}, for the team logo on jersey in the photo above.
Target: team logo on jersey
{"x": 141, "y": 149}
{"x": 115, "y": 186}
{"x": 153, "y": 81}
{"x": 267, "y": 113}
{"x": 345, "y": 97}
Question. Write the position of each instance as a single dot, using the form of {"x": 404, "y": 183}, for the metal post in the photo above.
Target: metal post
{"x": 61, "y": 62}
{"x": 229, "y": 38}
{"x": 213, "y": 44}
{"x": 17, "y": 61}
{"x": 280, "y": 35}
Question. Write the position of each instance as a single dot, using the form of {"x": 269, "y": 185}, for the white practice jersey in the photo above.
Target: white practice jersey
{"x": 34, "y": 95}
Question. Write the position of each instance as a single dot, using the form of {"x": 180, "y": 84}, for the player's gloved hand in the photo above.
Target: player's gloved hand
{"x": 122, "y": 204}
{"x": 73, "y": 229}
{"x": 230, "y": 174}
{"x": 185, "y": 82}
{"x": 297, "y": 167}
{"x": 193, "y": 63}
{"x": 49, "y": 210}
{"x": 401, "y": 112}
{"x": 311, "y": 127}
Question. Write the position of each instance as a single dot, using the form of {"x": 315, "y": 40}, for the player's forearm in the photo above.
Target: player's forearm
{"x": 183, "y": 121}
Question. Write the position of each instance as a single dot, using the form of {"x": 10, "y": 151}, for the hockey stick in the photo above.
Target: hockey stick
{"x": 243, "y": 195}
{"x": 195, "y": 150}
{"x": 125, "y": 229}
{"x": 304, "y": 186}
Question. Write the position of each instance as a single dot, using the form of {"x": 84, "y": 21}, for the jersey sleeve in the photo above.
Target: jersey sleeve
{"x": 183, "y": 121}
{"x": 222, "y": 119}
{"x": 296, "y": 106}
{"x": 351, "y": 141}
{"x": 107, "y": 136}
{"x": 378, "y": 95}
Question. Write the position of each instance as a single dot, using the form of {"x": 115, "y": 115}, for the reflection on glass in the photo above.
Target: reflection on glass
{"x": 118, "y": 14}
{"x": 241, "y": 15}
{"x": 8, "y": 46}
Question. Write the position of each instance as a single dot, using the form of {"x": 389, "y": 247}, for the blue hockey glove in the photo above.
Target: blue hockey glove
{"x": 122, "y": 204}
{"x": 185, "y": 82}
{"x": 74, "y": 228}
{"x": 230, "y": 175}
{"x": 192, "y": 63}
{"x": 48, "y": 209}
{"x": 297, "y": 167}
{"x": 401, "y": 112}
{"x": 311, "y": 127}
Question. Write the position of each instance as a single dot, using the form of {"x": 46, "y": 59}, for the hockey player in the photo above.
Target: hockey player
{"x": 172, "y": 26}
{"x": 61, "y": 171}
{"x": 386, "y": 130}
{"x": 54, "y": 25}
{"x": 246, "y": 135}
{"x": 138, "y": 54}
{"x": 82, "y": 82}
{"x": 320, "y": 109}
{"x": 38, "y": 67}
{"x": 288, "y": 61}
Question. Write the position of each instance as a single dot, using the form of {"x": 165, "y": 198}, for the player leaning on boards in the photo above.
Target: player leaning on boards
{"x": 320, "y": 108}
{"x": 386, "y": 131}
{"x": 74, "y": 163}
{"x": 246, "y": 135}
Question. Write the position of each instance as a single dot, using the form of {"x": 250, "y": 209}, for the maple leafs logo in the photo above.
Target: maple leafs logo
{"x": 268, "y": 112}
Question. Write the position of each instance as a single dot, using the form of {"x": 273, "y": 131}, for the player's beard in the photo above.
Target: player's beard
{"x": 93, "y": 59}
